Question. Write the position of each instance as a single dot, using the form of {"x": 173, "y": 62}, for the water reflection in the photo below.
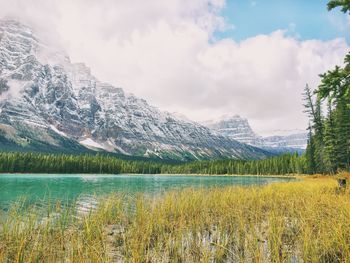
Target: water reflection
{"x": 45, "y": 190}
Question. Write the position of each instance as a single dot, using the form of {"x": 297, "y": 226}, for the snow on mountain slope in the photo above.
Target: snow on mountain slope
{"x": 235, "y": 128}
{"x": 46, "y": 100}
{"x": 294, "y": 140}
{"x": 238, "y": 128}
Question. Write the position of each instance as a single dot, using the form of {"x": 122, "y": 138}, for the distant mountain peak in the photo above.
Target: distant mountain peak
{"x": 225, "y": 118}
{"x": 238, "y": 128}
{"x": 234, "y": 127}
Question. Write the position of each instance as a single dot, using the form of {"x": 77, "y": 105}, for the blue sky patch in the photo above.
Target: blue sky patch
{"x": 305, "y": 19}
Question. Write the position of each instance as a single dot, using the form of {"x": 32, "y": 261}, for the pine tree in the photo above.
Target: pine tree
{"x": 330, "y": 141}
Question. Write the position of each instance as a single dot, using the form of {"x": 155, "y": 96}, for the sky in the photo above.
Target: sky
{"x": 303, "y": 19}
{"x": 200, "y": 58}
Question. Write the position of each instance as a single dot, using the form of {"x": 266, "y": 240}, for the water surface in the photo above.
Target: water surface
{"x": 49, "y": 188}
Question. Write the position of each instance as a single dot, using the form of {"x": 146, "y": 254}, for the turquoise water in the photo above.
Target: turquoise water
{"x": 45, "y": 188}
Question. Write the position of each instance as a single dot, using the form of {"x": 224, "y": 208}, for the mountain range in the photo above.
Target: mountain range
{"x": 238, "y": 128}
{"x": 48, "y": 103}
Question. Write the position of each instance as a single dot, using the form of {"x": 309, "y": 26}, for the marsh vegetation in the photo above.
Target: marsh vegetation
{"x": 305, "y": 220}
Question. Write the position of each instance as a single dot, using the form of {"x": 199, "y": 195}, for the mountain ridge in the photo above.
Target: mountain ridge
{"x": 238, "y": 128}
{"x": 44, "y": 98}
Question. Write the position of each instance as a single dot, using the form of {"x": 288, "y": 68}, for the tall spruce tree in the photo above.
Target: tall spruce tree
{"x": 330, "y": 140}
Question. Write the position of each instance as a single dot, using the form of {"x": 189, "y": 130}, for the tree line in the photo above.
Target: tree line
{"x": 328, "y": 107}
{"x": 63, "y": 163}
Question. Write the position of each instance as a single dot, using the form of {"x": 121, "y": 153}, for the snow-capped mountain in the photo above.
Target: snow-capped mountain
{"x": 294, "y": 140}
{"x": 47, "y": 102}
{"x": 238, "y": 128}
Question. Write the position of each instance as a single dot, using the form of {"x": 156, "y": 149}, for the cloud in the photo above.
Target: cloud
{"x": 340, "y": 23}
{"x": 165, "y": 52}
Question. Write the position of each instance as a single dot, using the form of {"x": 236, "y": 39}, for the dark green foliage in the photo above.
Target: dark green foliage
{"x": 279, "y": 165}
{"x": 51, "y": 163}
{"x": 344, "y": 4}
{"x": 329, "y": 141}
{"x": 310, "y": 154}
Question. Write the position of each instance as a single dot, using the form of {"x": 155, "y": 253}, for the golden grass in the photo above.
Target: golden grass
{"x": 306, "y": 220}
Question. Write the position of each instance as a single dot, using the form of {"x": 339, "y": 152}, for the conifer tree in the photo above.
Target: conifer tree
{"x": 328, "y": 147}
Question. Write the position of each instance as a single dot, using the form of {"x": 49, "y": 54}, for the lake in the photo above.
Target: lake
{"x": 49, "y": 188}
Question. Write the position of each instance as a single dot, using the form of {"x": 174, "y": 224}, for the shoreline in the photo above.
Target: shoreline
{"x": 162, "y": 174}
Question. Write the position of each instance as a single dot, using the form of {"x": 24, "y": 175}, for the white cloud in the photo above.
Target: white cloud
{"x": 340, "y": 23}
{"x": 164, "y": 52}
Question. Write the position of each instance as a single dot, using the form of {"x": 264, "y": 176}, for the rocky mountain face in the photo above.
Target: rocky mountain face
{"x": 238, "y": 128}
{"x": 47, "y": 102}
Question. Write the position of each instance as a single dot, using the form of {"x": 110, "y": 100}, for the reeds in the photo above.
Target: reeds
{"x": 302, "y": 221}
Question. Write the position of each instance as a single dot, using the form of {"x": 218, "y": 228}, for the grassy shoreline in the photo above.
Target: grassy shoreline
{"x": 305, "y": 220}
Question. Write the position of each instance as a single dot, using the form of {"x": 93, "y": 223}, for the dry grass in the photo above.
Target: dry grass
{"x": 303, "y": 221}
